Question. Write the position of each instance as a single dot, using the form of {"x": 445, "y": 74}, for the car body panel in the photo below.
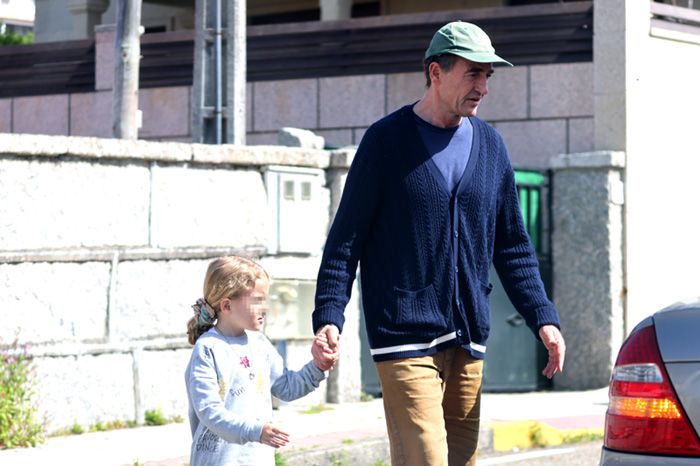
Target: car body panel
{"x": 678, "y": 335}
{"x": 677, "y": 331}
{"x": 614, "y": 458}
{"x": 685, "y": 378}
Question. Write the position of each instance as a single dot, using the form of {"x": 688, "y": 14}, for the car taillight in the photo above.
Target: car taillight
{"x": 644, "y": 414}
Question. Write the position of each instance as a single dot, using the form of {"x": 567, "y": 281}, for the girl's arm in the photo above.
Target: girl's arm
{"x": 204, "y": 389}
{"x": 289, "y": 385}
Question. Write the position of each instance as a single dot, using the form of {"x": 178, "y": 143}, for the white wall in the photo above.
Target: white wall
{"x": 105, "y": 246}
{"x": 663, "y": 166}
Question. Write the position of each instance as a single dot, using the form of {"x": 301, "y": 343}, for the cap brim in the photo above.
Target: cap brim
{"x": 480, "y": 57}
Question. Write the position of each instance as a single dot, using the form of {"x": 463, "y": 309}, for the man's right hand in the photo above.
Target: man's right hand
{"x": 326, "y": 347}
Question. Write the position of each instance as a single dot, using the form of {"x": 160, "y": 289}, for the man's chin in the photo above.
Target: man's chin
{"x": 470, "y": 111}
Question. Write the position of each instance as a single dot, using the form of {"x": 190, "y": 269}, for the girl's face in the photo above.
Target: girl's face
{"x": 247, "y": 312}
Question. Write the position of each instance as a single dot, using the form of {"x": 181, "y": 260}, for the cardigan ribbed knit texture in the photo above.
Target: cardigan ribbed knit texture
{"x": 425, "y": 253}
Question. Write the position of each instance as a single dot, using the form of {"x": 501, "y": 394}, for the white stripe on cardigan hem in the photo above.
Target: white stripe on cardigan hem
{"x": 478, "y": 347}
{"x": 417, "y": 346}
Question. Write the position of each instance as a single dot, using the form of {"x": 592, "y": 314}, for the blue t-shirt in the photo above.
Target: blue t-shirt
{"x": 449, "y": 148}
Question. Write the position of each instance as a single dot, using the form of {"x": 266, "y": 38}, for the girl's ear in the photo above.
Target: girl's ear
{"x": 225, "y": 305}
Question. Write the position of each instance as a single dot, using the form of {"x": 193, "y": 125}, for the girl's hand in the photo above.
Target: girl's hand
{"x": 325, "y": 348}
{"x": 273, "y": 436}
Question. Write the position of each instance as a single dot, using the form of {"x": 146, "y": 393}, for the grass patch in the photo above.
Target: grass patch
{"x": 545, "y": 436}
{"x": 155, "y": 417}
{"x": 280, "y": 460}
{"x": 319, "y": 408}
{"x": 583, "y": 436}
{"x": 366, "y": 397}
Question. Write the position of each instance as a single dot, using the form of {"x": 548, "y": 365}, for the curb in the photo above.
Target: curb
{"x": 367, "y": 452}
{"x": 374, "y": 452}
{"x": 493, "y": 437}
{"x": 514, "y": 435}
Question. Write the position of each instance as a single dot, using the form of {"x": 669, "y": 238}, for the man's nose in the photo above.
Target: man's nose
{"x": 482, "y": 86}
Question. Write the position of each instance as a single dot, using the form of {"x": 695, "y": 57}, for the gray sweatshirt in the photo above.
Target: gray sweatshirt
{"x": 230, "y": 381}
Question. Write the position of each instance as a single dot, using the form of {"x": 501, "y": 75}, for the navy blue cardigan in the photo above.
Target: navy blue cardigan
{"x": 425, "y": 253}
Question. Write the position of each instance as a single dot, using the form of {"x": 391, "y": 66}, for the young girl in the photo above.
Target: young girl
{"x": 234, "y": 369}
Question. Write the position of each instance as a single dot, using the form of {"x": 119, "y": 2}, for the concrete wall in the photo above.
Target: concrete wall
{"x": 588, "y": 275}
{"x": 541, "y": 110}
{"x": 59, "y": 20}
{"x": 664, "y": 157}
{"x": 645, "y": 100}
{"x": 105, "y": 246}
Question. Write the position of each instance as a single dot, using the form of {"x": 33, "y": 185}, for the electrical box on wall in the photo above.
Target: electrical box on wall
{"x": 295, "y": 198}
{"x": 289, "y": 316}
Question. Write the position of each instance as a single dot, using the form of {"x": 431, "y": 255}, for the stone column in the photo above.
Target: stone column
{"x": 587, "y": 247}
{"x": 105, "y": 35}
{"x": 335, "y": 9}
{"x": 86, "y": 15}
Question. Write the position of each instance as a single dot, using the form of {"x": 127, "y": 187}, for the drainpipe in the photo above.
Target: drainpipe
{"x": 217, "y": 53}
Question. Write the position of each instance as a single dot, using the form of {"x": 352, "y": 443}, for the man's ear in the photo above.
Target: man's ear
{"x": 434, "y": 71}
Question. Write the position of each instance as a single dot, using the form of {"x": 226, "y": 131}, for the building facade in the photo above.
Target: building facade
{"x": 607, "y": 108}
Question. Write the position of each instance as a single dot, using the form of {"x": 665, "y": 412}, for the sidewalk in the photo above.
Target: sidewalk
{"x": 349, "y": 433}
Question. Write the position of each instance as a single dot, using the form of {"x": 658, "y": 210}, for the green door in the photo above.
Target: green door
{"x": 514, "y": 357}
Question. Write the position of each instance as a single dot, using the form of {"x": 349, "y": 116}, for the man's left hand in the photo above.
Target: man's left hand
{"x": 554, "y": 342}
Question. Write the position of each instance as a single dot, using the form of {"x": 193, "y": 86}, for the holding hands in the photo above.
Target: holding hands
{"x": 326, "y": 348}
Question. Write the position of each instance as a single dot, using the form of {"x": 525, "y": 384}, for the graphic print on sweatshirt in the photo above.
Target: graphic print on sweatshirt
{"x": 208, "y": 442}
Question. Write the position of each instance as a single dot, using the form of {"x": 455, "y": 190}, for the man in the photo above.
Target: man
{"x": 429, "y": 204}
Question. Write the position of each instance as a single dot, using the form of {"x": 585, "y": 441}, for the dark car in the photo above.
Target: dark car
{"x": 653, "y": 415}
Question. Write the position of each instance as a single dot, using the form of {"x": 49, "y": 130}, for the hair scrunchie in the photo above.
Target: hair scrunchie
{"x": 203, "y": 312}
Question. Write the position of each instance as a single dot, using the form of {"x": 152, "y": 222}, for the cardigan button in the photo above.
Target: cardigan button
{"x": 459, "y": 333}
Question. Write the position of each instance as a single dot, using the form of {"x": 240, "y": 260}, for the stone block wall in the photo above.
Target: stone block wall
{"x": 540, "y": 110}
{"x": 104, "y": 248}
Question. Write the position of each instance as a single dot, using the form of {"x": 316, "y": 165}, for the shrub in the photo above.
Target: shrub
{"x": 18, "y": 413}
{"x": 11, "y": 38}
{"x": 155, "y": 417}
{"x": 77, "y": 429}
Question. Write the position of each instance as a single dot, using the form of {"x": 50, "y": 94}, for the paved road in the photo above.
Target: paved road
{"x": 584, "y": 454}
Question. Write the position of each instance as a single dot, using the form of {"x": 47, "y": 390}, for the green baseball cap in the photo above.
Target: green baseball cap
{"x": 465, "y": 40}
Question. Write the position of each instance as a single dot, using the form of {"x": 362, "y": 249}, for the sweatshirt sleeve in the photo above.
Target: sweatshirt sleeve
{"x": 290, "y": 385}
{"x": 516, "y": 262}
{"x": 346, "y": 237}
{"x": 207, "y": 403}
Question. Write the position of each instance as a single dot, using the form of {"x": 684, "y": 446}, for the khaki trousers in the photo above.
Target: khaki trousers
{"x": 432, "y": 408}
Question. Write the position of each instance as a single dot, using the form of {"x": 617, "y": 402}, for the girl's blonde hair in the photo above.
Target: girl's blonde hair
{"x": 227, "y": 277}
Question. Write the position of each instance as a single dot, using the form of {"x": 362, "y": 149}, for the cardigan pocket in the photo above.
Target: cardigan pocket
{"x": 417, "y": 311}
{"x": 483, "y": 311}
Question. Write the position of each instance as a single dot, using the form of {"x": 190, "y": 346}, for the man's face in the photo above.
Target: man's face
{"x": 462, "y": 87}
